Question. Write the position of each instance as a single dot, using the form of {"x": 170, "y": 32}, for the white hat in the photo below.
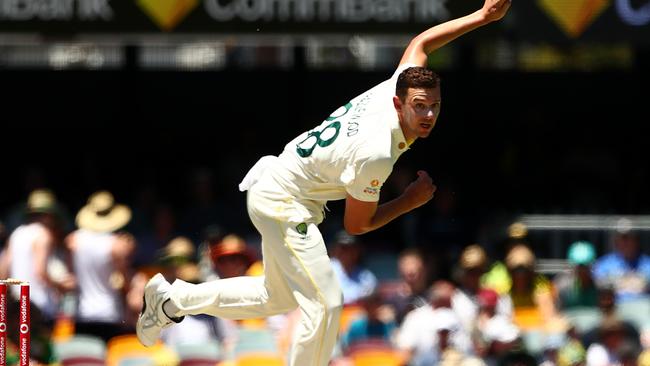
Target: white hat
{"x": 445, "y": 319}
{"x": 500, "y": 329}
{"x": 41, "y": 201}
{"x": 102, "y": 214}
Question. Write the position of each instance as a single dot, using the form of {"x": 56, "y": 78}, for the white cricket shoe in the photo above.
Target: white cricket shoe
{"x": 152, "y": 320}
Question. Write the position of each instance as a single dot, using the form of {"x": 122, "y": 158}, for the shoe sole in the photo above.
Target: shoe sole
{"x": 144, "y": 307}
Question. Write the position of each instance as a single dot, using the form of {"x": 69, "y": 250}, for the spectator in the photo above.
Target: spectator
{"x": 606, "y": 351}
{"x": 231, "y": 257}
{"x": 607, "y": 305}
{"x": 31, "y": 247}
{"x": 465, "y": 301}
{"x": 531, "y": 294}
{"x": 102, "y": 262}
{"x": 487, "y": 314}
{"x": 411, "y": 292}
{"x": 578, "y": 288}
{"x": 179, "y": 260}
{"x": 626, "y": 268}
{"x": 504, "y": 343}
{"x": 419, "y": 334}
{"x": 378, "y": 324}
{"x": 356, "y": 281}
{"x": 571, "y": 352}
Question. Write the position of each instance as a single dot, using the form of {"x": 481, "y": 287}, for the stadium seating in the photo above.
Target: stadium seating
{"x": 374, "y": 352}
{"x": 583, "y": 319}
{"x": 377, "y": 357}
{"x": 198, "y": 354}
{"x": 254, "y": 341}
{"x": 348, "y": 315}
{"x": 637, "y": 312}
{"x": 81, "y": 349}
{"x": 257, "y": 359}
{"x": 126, "y": 350}
{"x": 82, "y": 361}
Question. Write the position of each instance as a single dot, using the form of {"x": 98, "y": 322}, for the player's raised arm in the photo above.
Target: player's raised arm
{"x": 441, "y": 34}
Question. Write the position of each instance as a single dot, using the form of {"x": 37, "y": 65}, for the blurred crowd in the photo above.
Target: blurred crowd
{"x": 87, "y": 273}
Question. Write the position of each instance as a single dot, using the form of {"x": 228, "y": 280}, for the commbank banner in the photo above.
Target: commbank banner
{"x": 529, "y": 20}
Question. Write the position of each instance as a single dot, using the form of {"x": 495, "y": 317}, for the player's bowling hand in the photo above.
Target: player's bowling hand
{"x": 421, "y": 190}
{"x": 495, "y": 9}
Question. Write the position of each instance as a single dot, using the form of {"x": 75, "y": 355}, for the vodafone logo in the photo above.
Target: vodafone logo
{"x": 3, "y": 327}
{"x": 24, "y": 328}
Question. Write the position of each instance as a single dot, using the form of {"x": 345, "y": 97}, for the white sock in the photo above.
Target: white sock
{"x": 170, "y": 309}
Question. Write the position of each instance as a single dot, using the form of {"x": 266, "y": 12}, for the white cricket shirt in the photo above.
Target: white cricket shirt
{"x": 351, "y": 152}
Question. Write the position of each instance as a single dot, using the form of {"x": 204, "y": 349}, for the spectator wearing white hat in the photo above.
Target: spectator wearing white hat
{"x": 102, "y": 259}
{"x": 419, "y": 335}
{"x": 31, "y": 248}
{"x": 505, "y": 344}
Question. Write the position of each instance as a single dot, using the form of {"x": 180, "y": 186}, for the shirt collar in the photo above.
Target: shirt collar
{"x": 399, "y": 144}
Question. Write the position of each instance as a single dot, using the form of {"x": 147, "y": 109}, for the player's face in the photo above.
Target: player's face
{"x": 419, "y": 112}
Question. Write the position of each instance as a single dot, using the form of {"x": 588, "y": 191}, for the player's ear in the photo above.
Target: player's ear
{"x": 397, "y": 103}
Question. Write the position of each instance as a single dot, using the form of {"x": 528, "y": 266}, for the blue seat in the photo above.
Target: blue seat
{"x": 584, "y": 319}
{"x": 534, "y": 341}
{"x": 635, "y": 311}
{"x": 255, "y": 341}
{"x": 195, "y": 353}
{"x": 136, "y": 361}
{"x": 80, "y": 346}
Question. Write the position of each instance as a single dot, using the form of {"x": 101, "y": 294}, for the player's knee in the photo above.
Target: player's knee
{"x": 335, "y": 302}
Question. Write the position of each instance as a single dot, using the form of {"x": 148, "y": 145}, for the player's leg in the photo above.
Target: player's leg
{"x": 299, "y": 250}
{"x": 238, "y": 297}
{"x": 233, "y": 298}
{"x": 308, "y": 271}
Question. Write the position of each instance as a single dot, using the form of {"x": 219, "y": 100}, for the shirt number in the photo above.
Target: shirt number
{"x": 324, "y": 137}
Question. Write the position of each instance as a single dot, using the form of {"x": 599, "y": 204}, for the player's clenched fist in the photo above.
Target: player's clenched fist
{"x": 495, "y": 9}
{"x": 421, "y": 190}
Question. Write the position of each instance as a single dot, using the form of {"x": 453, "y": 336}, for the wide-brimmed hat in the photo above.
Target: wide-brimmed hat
{"x": 473, "y": 257}
{"x": 231, "y": 245}
{"x": 41, "y": 201}
{"x": 178, "y": 251}
{"x": 102, "y": 214}
{"x": 520, "y": 256}
{"x": 189, "y": 272}
{"x": 180, "y": 246}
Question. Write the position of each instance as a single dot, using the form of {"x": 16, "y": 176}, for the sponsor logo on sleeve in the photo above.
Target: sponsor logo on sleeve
{"x": 373, "y": 189}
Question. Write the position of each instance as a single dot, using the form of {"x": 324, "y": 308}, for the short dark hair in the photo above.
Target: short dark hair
{"x": 415, "y": 77}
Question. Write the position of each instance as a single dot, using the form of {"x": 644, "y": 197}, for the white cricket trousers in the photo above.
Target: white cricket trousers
{"x": 297, "y": 273}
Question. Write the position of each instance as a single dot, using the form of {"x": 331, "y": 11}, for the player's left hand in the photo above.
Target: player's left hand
{"x": 495, "y": 9}
{"x": 421, "y": 190}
